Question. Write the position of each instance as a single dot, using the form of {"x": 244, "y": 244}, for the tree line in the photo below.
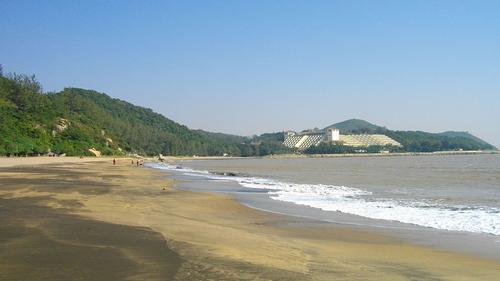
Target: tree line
{"x": 33, "y": 122}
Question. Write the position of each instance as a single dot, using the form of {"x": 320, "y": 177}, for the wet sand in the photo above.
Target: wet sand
{"x": 95, "y": 221}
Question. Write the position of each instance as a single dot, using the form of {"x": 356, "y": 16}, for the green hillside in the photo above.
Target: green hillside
{"x": 416, "y": 141}
{"x": 355, "y": 126}
{"x": 74, "y": 120}
{"x": 454, "y": 134}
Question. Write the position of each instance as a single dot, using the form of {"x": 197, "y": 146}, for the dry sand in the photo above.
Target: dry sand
{"x": 94, "y": 221}
{"x": 35, "y": 161}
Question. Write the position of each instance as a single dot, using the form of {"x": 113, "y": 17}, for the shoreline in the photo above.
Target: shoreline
{"x": 479, "y": 244}
{"x": 392, "y": 154}
{"x": 27, "y": 160}
{"x": 256, "y": 245}
{"x": 293, "y": 156}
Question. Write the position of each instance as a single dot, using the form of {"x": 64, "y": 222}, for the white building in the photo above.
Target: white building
{"x": 306, "y": 139}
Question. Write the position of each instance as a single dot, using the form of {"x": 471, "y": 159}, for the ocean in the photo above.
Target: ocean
{"x": 454, "y": 193}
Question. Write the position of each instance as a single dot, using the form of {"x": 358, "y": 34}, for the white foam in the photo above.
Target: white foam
{"x": 358, "y": 202}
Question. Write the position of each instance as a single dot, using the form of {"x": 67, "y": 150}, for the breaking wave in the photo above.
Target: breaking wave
{"x": 361, "y": 203}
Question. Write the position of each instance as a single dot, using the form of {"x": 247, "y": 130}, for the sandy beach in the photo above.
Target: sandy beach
{"x": 86, "y": 219}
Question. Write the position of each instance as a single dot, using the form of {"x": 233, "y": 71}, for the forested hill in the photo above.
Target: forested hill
{"x": 355, "y": 126}
{"x": 75, "y": 120}
{"x": 416, "y": 141}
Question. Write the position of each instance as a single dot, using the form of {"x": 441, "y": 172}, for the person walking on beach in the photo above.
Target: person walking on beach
{"x": 114, "y": 161}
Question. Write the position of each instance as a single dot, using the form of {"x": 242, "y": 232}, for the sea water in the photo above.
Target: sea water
{"x": 447, "y": 192}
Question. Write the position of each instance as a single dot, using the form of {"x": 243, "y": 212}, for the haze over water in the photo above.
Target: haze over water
{"x": 459, "y": 193}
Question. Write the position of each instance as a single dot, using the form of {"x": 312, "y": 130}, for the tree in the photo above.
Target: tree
{"x": 74, "y": 120}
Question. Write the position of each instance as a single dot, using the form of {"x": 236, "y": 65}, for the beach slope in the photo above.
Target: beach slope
{"x": 98, "y": 221}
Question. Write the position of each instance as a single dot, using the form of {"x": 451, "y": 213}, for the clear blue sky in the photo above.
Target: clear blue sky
{"x": 248, "y": 67}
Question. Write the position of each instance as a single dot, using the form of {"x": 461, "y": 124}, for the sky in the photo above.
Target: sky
{"x": 249, "y": 67}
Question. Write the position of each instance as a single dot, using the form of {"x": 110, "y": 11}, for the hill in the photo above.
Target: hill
{"x": 466, "y": 135}
{"x": 355, "y": 126}
{"x": 75, "y": 120}
{"x": 416, "y": 141}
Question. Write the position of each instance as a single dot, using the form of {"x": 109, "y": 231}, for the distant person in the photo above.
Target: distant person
{"x": 114, "y": 161}
{"x": 137, "y": 162}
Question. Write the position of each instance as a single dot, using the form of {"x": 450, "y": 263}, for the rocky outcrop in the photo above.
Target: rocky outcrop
{"x": 94, "y": 151}
{"x": 62, "y": 124}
